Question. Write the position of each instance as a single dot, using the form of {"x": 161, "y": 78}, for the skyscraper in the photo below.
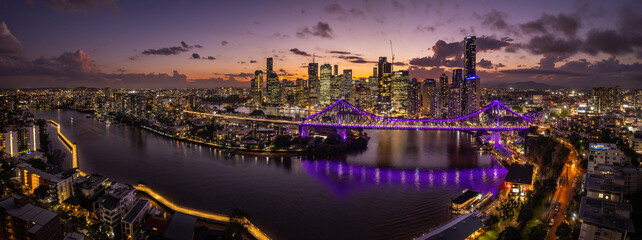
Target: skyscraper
{"x": 313, "y": 84}
{"x": 399, "y": 92}
{"x": 428, "y": 98}
{"x": 270, "y": 65}
{"x": 444, "y": 94}
{"x": 470, "y": 93}
{"x": 470, "y": 55}
{"x": 257, "y": 87}
{"x": 457, "y": 77}
{"x": 325, "y": 82}
{"x": 346, "y": 85}
{"x": 273, "y": 89}
{"x": 454, "y": 102}
{"x": 335, "y": 88}
{"x": 414, "y": 98}
{"x": 300, "y": 92}
{"x": 383, "y": 73}
{"x": 336, "y": 70}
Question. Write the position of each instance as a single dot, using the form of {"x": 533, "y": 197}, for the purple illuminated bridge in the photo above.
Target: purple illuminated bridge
{"x": 494, "y": 117}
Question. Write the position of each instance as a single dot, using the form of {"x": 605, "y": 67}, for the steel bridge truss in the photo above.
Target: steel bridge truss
{"x": 493, "y": 117}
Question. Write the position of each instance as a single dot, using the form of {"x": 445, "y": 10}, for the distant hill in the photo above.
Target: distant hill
{"x": 528, "y": 85}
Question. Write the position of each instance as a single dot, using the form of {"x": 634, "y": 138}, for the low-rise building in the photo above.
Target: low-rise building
{"x": 22, "y": 220}
{"x": 464, "y": 227}
{"x": 604, "y": 186}
{"x": 60, "y": 185}
{"x": 133, "y": 220}
{"x": 605, "y": 153}
{"x": 117, "y": 200}
{"x": 464, "y": 201}
{"x": 604, "y": 220}
{"x": 519, "y": 178}
{"x": 181, "y": 227}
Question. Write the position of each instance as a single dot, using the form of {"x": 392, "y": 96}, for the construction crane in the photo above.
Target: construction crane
{"x": 392, "y": 61}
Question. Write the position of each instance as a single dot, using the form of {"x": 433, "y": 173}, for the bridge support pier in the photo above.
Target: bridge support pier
{"x": 303, "y": 131}
{"x": 496, "y": 137}
{"x": 343, "y": 133}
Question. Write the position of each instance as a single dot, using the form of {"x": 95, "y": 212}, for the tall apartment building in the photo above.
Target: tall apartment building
{"x": 604, "y": 153}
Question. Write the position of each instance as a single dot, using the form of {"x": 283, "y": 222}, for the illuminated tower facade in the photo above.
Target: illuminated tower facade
{"x": 313, "y": 84}
{"x": 257, "y": 87}
{"x": 326, "y": 81}
{"x": 384, "y": 70}
{"x": 470, "y": 56}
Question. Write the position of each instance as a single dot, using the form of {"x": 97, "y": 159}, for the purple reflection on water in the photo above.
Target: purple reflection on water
{"x": 343, "y": 178}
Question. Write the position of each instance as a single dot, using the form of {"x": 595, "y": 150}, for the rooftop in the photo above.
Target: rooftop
{"x": 131, "y": 215}
{"x": 29, "y": 213}
{"x": 458, "y": 228}
{"x": 465, "y": 196}
{"x": 604, "y": 213}
{"x": 603, "y": 182}
{"x": 520, "y": 173}
{"x": 181, "y": 227}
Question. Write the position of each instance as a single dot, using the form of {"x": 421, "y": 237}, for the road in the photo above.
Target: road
{"x": 564, "y": 193}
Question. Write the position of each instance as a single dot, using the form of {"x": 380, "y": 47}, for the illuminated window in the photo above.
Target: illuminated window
{"x": 600, "y": 195}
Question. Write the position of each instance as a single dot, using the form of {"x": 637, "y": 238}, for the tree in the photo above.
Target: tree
{"x": 525, "y": 214}
{"x": 237, "y": 225}
{"x": 538, "y": 231}
{"x": 282, "y": 141}
{"x": 517, "y": 109}
{"x": 257, "y": 113}
{"x": 333, "y": 139}
{"x": 37, "y": 164}
{"x": 563, "y": 230}
{"x": 229, "y": 109}
{"x": 509, "y": 233}
{"x": 41, "y": 191}
{"x": 492, "y": 220}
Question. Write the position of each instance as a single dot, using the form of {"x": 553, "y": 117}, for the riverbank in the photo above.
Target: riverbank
{"x": 251, "y": 228}
{"x": 233, "y": 150}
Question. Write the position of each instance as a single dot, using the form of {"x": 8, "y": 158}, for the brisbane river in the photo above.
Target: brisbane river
{"x": 398, "y": 188}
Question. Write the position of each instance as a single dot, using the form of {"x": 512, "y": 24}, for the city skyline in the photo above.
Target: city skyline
{"x": 120, "y": 44}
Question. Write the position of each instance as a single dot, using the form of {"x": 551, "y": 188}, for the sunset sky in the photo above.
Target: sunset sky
{"x": 99, "y": 43}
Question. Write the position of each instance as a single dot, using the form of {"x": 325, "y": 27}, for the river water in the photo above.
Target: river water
{"x": 396, "y": 189}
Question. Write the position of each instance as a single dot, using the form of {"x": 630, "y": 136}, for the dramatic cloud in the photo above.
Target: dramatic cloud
{"x": 335, "y": 9}
{"x": 420, "y": 28}
{"x": 252, "y": 61}
{"x": 224, "y": 43}
{"x": 339, "y": 52}
{"x": 483, "y": 63}
{"x": 240, "y": 75}
{"x": 451, "y": 54}
{"x": 547, "y": 24}
{"x": 398, "y": 6}
{"x": 8, "y": 42}
{"x": 210, "y": 58}
{"x": 284, "y": 73}
{"x": 495, "y": 19}
{"x": 425, "y": 73}
{"x": 322, "y": 30}
{"x": 170, "y": 50}
{"x": 196, "y": 56}
{"x": 82, "y": 5}
{"x": 78, "y": 69}
{"x": 299, "y": 52}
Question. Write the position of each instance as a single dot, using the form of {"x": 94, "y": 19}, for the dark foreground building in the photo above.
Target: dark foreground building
{"x": 22, "y": 220}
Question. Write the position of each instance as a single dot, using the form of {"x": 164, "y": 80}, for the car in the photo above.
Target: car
{"x": 551, "y": 222}
{"x": 557, "y": 206}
